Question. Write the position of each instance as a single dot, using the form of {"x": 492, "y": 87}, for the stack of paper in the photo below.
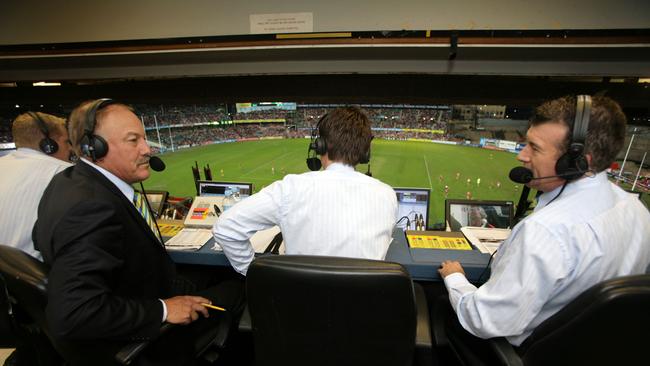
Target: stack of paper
{"x": 487, "y": 240}
{"x": 189, "y": 239}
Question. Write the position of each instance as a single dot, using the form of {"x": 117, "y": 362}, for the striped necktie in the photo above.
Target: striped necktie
{"x": 142, "y": 208}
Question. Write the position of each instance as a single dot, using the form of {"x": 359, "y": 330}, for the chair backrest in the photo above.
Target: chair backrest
{"x": 25, "y": 280}
{"x": 314, "y": 310}
{"x": 606, "y": 325}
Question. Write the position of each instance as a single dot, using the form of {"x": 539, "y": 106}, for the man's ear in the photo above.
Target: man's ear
{"x": 589, "y": 158}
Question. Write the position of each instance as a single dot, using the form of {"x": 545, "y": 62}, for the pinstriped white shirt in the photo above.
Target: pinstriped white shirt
{"x": 592, "y": 232}
{"x": 335, "y": 212}
{"x": 25, "y": 175}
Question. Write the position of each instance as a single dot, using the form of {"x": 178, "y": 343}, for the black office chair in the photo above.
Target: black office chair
{"x": 314, "y": 310}
{"x": 26, "y": 287}
{"x": 605, "y": 325}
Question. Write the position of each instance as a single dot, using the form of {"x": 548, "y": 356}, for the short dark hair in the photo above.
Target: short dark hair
{"x": 606, "y": 133}
{"x": 347, "y": 133}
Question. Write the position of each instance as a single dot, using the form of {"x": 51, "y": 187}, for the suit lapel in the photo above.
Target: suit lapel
{"x": 92, "y": 173}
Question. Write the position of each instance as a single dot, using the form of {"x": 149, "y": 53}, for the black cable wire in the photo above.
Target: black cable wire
{"x": 486, "y": 266}
{"x": 408, "y": 222}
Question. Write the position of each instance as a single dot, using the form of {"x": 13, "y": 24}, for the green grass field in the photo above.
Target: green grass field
{"x": 397, "y": 163}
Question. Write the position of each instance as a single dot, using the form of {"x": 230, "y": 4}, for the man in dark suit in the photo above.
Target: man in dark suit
{"x": 111, "y": 280}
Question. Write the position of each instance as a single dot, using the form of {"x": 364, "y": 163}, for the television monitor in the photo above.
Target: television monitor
{"x": 412, "y": 202}
{"x": 492, "y": 214}
{"x": 157, "y": 200}
{"x": 218, "y": 189}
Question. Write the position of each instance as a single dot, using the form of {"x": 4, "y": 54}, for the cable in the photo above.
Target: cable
{"x": 486, "y": 266}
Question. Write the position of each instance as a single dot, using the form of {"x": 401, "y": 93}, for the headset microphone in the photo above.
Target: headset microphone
{"x": 156, "y": 164}
{"x": 525, "y": 175}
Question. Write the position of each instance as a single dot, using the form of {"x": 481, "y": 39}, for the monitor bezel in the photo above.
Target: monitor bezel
{"x": 164, "y": 194}
{"x": 428, "y": 191}
{"x": 198, "y": 184}
{"x": 449, "y": 202}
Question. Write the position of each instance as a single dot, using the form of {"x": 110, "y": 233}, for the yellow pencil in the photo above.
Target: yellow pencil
{"x": 213, "y": 307}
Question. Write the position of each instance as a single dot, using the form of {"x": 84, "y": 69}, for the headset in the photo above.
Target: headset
{"x": 318, "y": 146}
{"x": 92, "y": 145}
{"x": 573, "y": 164}
{"x": 47, "y": 145}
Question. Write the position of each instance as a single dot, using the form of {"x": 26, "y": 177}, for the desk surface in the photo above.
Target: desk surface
{"x": 422, "y": 264}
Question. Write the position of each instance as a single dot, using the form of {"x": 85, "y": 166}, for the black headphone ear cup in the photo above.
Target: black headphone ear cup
{"x": 314, "y": 164}
{"x": 100, "y": 146}
{"x": 366, "y": 157}
{"x": 48, "y": 146}
{"x": 573, "y": 163}
{"x": 320, "y": 146}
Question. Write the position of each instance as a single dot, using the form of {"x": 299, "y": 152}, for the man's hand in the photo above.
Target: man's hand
{"x": 185, "y": 309}
{"x": 449, "y": 267}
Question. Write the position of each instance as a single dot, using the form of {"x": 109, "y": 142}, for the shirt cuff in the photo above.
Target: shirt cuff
{"x": 164, "y": 310}
{"x": 456, "y": 280}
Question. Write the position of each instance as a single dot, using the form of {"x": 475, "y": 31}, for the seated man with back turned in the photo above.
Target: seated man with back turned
{"x": 110, "y": 280}
{"x": 584, "y": 229}
{"x": 43, "y": 149}
{"x": 336, "y": 212}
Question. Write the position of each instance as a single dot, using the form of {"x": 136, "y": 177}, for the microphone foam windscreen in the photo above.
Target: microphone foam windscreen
{"x": 156, "y": 164}
{"x": 521, "y": 175}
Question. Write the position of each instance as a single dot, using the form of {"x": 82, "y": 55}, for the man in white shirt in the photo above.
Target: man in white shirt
{"x": 583, "y": 231}
{"x": 334, "y": 212}
{"x": 43, "y": 150}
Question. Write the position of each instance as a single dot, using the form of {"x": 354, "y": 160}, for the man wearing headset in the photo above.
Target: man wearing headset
{"x": 335, "y": 212}
{"x": 111, "y": 281}
{"x": 42, "y": 151}
{"x": 583, "y": 231}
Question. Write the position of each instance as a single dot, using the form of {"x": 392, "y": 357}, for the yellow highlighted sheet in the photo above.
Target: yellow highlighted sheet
{"x": 429, "y": 241}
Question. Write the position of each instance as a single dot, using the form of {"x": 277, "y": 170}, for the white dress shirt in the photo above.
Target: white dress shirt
{"x": 25, "y": 175}
{"x": 335, "y": 212}
{"x": 592, "y": 232}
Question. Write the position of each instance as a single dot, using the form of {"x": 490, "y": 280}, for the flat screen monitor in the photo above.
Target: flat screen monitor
{"x": 491, "y": 214}
{"x": 218, "y": 189}
{"x": 412, "y": 202}
{"x": 157, "y": 200}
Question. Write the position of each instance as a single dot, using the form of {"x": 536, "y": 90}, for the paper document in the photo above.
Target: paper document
{"x": 189, "y": 239}
{"x": 437, "y": 240}
{"x": 487, "y": 240}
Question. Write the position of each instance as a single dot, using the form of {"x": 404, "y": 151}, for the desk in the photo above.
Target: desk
{"x": 422, "y": 264}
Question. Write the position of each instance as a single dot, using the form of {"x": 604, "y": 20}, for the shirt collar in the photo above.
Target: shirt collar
{"x": 124, "y": 187}
{"x": 336, "y": 166}
{"x": 572, "y": 187}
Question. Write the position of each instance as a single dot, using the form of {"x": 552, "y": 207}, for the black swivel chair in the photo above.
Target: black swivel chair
{"x": 26, "y": 287}
{"x": 606, "y": 325}
{"x": 314, "y": 310}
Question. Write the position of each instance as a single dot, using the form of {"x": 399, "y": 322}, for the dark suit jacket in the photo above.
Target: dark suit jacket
{"x": 108, "y": 269}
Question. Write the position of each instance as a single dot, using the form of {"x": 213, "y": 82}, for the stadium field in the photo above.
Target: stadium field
{"x": 397, "y": 163}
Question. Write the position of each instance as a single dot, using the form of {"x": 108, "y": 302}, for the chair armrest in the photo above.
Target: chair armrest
{"x": 423, "y": 325}
{"x": 131, "y": 351}
{"x": 505, "y": 352}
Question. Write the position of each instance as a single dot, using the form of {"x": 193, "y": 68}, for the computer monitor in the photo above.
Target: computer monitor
{"x": 218, "y": 189}
{"x": 157, "y": 200}
{"x": 412, "y": 201}
{"x": 493, "y": 214}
